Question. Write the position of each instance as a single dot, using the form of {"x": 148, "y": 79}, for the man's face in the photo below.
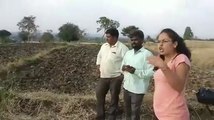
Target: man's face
{"x": 110, "y": 39}
{"x": 136, "y": 43}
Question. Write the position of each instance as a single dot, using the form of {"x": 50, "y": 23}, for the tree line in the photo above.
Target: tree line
{"x": 71, "y": 32}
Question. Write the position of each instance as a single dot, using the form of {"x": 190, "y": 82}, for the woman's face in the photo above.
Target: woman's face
{"x": 165, "y": 44}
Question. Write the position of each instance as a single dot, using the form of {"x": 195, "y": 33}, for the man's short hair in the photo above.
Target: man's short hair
{"x": 113, "y": 32}
{"x": 137, "y": 33}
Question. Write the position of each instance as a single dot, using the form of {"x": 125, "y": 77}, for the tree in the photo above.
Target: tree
{"x": 70, "y": 32}
{"x": 47, "y": 36}
{"x": 148, "y": 38}
{"x": 4, "y": 36}
{"x": 128, "y": 30}
{"x": 23, "y": 35}
{"x": 188, "y": 34}
{"x": 27, "y": 25}
{"x": 4, "y": 33}
{"x": 106, "y": 23}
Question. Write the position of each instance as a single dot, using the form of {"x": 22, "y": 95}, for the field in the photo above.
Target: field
{"x": 57, "y": 81}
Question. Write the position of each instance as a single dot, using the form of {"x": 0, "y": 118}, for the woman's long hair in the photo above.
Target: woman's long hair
{"x": 181, "y": 47}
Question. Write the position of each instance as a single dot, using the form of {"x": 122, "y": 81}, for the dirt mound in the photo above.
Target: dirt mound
{"x": 67, "y": 70}
{"x": 72, "y": 70}
{"x": 12, "y": 52}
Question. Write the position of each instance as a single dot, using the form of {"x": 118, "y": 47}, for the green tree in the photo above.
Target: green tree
{"x": 4, "y": 36}
{"x": 4, "y": 33}
{"x": 47, "y": 36}
{"x": 188, "y": 34}
{"x": 70, "y": 32}
{"x": 23, "y": 35}
{"x": 128, "y": 30}
{"x": 106, "y": 23}
{"x": 27, "y": 25}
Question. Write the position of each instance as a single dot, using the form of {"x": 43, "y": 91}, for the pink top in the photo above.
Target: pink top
{"x": 168, "y": 103}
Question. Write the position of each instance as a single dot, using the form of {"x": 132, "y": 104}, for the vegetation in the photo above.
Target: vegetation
{"x": 23, "y": 35}
{"x": 106, "y": 23}
{"x": 70, "y": 32}
{"x": 4, "y": 36}
{"x": 148, "y": 38}
{"x": 28, "y": 27}
{"x": 5, "y": 97}
{"x": 4, "y": 33}
{"x": 128, "y": 30}
{"x": 47, "y": 36}
{"x": 188, "y": 34}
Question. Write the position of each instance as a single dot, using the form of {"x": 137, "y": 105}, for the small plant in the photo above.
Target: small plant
{"x": 5, "y": 40}
{"x": 5, "y": 97}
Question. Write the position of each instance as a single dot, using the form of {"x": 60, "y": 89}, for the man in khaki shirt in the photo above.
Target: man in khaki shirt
{"x": 109, "y": 61}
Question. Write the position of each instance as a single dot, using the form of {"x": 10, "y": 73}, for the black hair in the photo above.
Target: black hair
{"x": 181, "y": 48}
{"x": 137, "y": 33}
{"x": 113, "y": 32}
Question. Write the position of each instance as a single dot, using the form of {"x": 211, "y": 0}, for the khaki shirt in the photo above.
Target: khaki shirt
{"x": 110, "y": 58}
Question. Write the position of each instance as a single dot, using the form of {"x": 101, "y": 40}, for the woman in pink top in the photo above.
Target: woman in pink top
{"x": 171, "y": 77}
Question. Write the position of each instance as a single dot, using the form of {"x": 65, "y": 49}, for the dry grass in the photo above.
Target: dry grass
{"x": 45, "y": 105}
{"x": 202, "y": 52}
{"x": 192, "y": 44}
{"x": 203, "y": 57}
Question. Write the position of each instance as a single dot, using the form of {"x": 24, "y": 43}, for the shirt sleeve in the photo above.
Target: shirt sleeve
{"x": 123, "y": 62}
{"x": 99, "y": 57}
{"x": 147, "y": 72}
{"x": 123, "y": 54}
{"x": 182, "y": 59}
{"x": 124, "y": 50}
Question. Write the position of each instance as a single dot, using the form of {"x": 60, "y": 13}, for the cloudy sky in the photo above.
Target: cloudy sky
{"x": 149, "y": 15}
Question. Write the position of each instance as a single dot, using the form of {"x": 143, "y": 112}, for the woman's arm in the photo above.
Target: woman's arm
{"x": 176, "y": 79}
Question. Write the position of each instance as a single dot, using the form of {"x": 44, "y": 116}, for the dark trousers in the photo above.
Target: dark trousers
{"x": 132, "y": 103}
{"x": 105, "y": 84}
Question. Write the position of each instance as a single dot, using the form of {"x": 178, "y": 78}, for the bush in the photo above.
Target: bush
{"x": 47, "y": 37}
{"x": 5, "y": 40}
{"x": 70, "y": 32}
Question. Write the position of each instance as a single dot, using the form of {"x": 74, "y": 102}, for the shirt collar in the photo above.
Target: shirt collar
{"x": 115, "y": 45}
{"x": 140, "y": 50}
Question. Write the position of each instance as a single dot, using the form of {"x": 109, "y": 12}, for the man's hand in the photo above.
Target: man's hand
{"x": 124, "y": 68}
{"x": 128, "y": 68}
{"x": 131, "y": 69}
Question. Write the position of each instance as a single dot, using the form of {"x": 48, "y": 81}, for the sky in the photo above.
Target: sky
{"x": 151, "y": 16}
